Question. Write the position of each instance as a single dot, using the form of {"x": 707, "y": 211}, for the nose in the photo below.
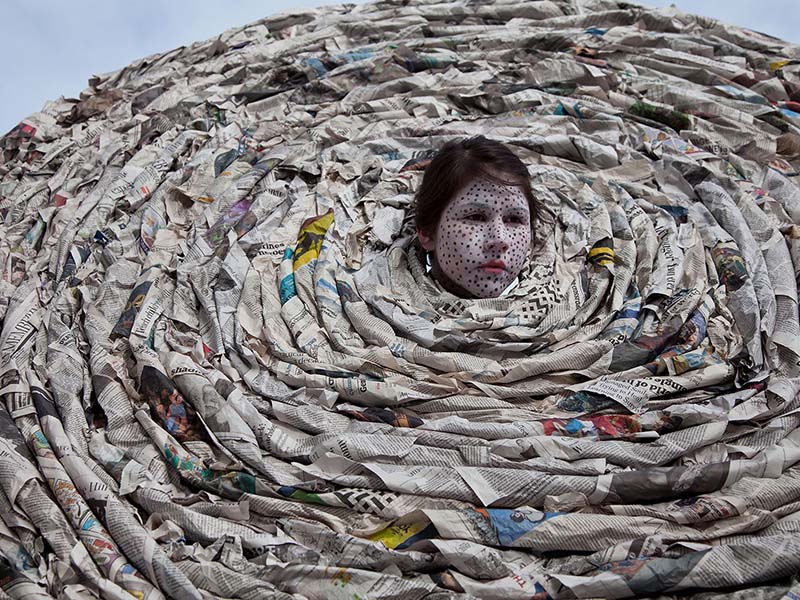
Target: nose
{"x": 497, "y": 237}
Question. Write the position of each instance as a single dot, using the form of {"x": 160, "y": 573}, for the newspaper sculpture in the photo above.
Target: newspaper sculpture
{"x": 226, "y": 373}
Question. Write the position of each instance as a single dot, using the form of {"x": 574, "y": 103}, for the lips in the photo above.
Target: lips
{"x": 494, "y": 267}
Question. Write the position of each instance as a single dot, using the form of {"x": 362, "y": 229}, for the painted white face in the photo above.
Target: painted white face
{"x": 483, "y": 238}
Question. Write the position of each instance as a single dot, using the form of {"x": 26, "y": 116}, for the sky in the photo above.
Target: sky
{"x": 52, "y": 47}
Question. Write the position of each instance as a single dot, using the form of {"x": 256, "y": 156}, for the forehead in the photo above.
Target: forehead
{"x": 488, "y": 194}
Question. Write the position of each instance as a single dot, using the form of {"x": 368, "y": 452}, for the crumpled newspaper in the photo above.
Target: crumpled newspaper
{"x": 226, "y": 372}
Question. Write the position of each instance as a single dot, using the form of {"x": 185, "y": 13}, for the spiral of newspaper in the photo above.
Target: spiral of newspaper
{"x": 226, "y": 373}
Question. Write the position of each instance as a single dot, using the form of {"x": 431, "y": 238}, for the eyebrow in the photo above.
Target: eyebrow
{"x": 473, "y": 205}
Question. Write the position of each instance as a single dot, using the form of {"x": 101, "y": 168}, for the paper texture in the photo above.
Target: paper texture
{"x": 227, "y": 373}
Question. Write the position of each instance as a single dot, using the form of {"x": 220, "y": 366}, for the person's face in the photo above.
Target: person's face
{"x": 483, "y": 238}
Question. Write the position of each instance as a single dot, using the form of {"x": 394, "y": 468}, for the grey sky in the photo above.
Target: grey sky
{"x": 52, "y": 47}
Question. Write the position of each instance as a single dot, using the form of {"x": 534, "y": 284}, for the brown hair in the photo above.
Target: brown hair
{"x": 456, "y": 164}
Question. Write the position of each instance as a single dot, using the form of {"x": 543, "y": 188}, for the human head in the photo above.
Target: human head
{"x": 475, "y": 212}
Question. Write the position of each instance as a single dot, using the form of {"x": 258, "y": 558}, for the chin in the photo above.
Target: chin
{"x": 493, "y": 294}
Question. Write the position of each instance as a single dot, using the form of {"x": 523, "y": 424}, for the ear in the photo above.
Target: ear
{"x": 426, "y": 241}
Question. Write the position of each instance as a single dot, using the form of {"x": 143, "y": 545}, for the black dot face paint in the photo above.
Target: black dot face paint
{"x": 483, "y": 237}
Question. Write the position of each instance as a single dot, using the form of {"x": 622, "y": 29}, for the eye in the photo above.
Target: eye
{"x": 476, "y": 217}
{"x": 515, "y": 219}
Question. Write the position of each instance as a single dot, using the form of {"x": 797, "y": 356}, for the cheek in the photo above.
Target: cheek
{"x": 453, "y": 238}
{"x": 455, "y": 235}
{"x": 519, "y": 245}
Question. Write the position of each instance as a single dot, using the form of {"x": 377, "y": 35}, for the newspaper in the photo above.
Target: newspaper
{"x": 226, "y": 371}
